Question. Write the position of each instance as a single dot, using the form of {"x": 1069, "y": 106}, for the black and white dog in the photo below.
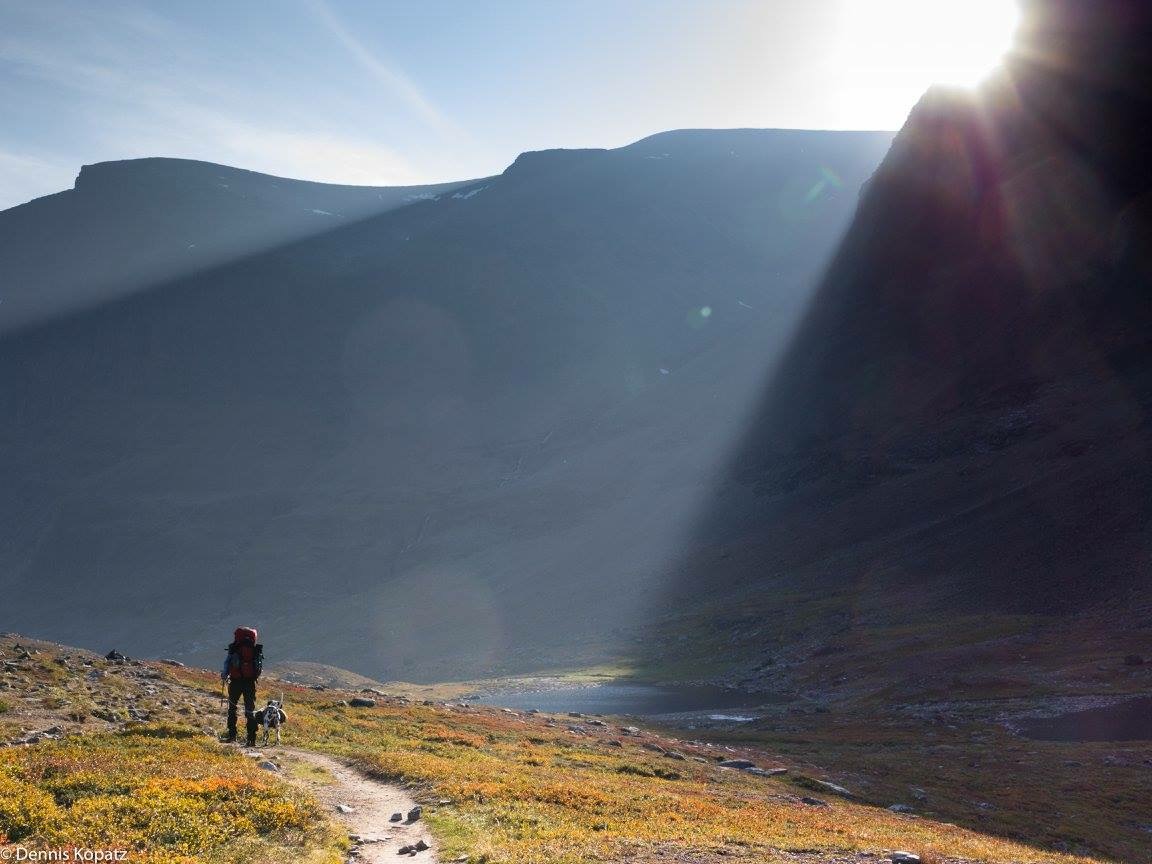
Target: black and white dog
{"x": 271, "y": 717}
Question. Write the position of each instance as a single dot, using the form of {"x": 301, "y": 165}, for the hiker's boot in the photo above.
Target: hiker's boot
{"x": 251, "y": 741}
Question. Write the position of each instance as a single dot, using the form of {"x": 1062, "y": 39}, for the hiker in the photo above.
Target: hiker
{"x": 242, "y": 666}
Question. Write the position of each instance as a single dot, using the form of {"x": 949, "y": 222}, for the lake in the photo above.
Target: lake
{"x": 638, "y": 699}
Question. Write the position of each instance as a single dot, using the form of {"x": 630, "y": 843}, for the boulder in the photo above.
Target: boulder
{"x": 362, "y": 702}
{"x": 814, "y": 802}
{"x": 739, "y": 764}
{"x": 904, "y": 858}
{"x": 268, "y": 765}
{"x": 415, "y": 813}
{"x": 900, "y": 808}
{"x": 833, "y": 788}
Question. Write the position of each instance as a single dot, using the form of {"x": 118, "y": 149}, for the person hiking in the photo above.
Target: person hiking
{"x": 241, "y": 669}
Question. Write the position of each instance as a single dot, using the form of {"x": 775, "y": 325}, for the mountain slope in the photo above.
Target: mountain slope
{"x": 487, "y": 417}
{"x": 956, "y": 442}
{"x": 128, "y": 225}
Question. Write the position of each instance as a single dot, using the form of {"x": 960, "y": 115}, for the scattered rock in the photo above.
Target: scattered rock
{"x": 766, "y": 772}
{"x": 903, "y": 858}
{"x": 629, "y": 730}
{"x": 739, "y": 764}
{"x": 115, "y": 656}
{"x": 421, "y": 845}
{"x": 833, "y": 788}
{"x": 362, "y": 702}
{"x": 900, "y": 808}
{"x": 268, "y": 765}
{"x": 415, "y": 813}
{"x": 176, "y": 663}
{"x": 814, "y": 802}
{"x": 345, "y": 809}
{"x": 655, "y": 748}
{"x": 396, "y": 817}
{"x": 918, "y": 793}
{"x": 673, "y": 754}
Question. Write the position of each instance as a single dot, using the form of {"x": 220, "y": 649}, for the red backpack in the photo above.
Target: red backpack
{"x": 245, "y": 654}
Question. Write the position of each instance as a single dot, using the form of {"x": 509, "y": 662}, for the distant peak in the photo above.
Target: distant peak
{"x": 153, "y": 168}
{"x": 534, "y": 162}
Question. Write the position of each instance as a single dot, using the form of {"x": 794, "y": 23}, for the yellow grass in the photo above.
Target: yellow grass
{"x": 164, "y": 794}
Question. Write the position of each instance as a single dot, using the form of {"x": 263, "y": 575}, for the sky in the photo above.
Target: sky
{"x": 396, "y": 92}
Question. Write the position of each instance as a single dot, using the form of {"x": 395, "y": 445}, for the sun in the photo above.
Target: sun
{"x": 950, "y": 42}
{"x": 881, "y": 55}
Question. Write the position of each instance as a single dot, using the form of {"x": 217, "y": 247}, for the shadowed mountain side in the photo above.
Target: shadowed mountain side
{"x": 129, "y": 225}
{"x": 459, "y": 437}
{"x": 961, "y": 425}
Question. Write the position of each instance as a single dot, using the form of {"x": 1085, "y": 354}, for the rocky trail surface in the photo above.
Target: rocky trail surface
{"x": 368, "y": 807}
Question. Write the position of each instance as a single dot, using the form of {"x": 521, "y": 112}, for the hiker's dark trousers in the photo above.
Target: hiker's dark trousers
{"x": 245, "y": 687}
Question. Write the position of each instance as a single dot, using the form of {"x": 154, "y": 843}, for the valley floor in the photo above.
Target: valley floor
{"x": 107, "y": 752}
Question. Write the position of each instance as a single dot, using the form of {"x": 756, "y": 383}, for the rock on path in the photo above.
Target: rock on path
{"x": 371, "y": 803}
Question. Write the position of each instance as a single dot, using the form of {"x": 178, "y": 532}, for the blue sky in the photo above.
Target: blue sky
{"x": 411, "y": 91}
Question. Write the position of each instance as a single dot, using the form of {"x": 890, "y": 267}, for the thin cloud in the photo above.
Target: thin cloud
{"x": 166, "y": 114}
{"x": 394, "y": 80}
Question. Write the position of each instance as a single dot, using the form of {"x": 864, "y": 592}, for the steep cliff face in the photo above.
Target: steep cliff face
{"x": 961, "y": 424}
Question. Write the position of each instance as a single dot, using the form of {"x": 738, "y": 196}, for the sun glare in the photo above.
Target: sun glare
{"x": 952, "y": 42}
{"x": 886, "y": 53}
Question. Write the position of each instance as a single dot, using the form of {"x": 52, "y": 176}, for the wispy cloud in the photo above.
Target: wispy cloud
{"x": 394, "y": 80}
{"x": 169, "y": 112}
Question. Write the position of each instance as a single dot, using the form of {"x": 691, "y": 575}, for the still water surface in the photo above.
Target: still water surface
{"x": 639, "y": 699}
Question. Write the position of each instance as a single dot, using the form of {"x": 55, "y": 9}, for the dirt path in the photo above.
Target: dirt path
{"x": 372, "y": 804}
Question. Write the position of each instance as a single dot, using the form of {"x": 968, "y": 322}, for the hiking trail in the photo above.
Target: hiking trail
{"x": 372, "y": 804}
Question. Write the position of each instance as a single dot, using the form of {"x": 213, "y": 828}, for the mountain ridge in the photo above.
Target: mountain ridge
{"x": 421, "y": 418}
